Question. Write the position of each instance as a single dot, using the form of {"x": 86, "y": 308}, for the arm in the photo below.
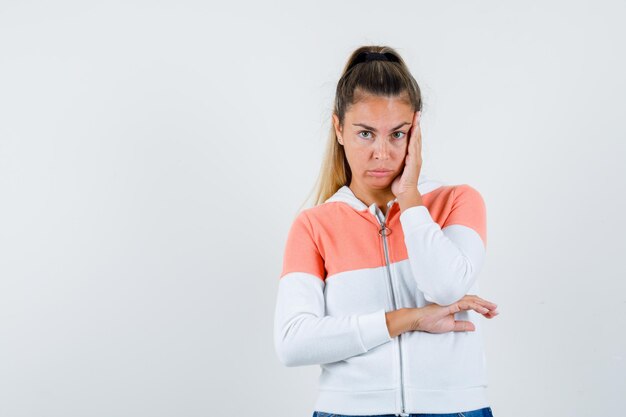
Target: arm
{"x": 446, "y": 260}
{"x": 303, "y": 334}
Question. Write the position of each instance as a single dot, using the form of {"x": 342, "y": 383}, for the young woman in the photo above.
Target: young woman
{"x": 379, "y": 278}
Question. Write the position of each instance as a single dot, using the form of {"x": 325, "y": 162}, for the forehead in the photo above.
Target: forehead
{"x": 380, "y": 111}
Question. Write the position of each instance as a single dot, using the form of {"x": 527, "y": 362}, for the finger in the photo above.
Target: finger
{"x": 488, "y": 304}
{"x": 469, "y": 305}
{"x": 463, "y": 326}
{"x": 478, "y": 304}
{"x": 483, "y": 310}
{"x": 417, "y": 132}
{"x": 414, "y": 149}
{"x": 415, "y": 128}
{"x": 491, "y": 314}
{"x": 412, "y": 128}
{"x": 466, "y": 303}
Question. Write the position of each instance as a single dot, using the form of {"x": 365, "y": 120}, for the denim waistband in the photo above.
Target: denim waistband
{"x": 481, "y": 412}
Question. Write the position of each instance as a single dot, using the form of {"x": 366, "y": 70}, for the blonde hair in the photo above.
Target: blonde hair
{"x": 361, "y": 77}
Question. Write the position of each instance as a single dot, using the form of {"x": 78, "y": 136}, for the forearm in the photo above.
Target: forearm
{"x": 444, "y": 261}
{"x": 305, "y": 335}
{"x": 442, "y": 271}
{"x": 309, "y": 340}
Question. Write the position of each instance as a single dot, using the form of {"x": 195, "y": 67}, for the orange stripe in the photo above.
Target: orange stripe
{"x": 334, "y": 237}
{"x": 468, "y": 209}
{"x": 301, "y": 250}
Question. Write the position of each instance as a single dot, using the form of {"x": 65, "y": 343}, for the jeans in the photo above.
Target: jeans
{"x": 482, "y": 412}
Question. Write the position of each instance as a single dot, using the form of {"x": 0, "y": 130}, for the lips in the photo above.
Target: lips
{"x": 380, "y": 172}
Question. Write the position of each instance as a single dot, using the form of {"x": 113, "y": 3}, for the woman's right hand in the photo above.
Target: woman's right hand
{"x": 434, "y": 318}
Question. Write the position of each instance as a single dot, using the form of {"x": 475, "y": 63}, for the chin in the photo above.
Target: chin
{"x": 379, "y": 183}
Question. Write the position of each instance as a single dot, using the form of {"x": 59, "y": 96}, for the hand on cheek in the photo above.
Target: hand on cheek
{"x": 407, "y": 180}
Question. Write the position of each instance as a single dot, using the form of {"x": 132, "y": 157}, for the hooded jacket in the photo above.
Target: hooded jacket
{"x": 346, "y": 264}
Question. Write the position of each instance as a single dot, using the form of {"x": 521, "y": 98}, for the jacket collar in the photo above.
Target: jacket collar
{"x": 345, "y": 194}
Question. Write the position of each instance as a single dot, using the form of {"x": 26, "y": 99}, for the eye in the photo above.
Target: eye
{"x": 365, "y": 131}
{"x": 400, "y": 137}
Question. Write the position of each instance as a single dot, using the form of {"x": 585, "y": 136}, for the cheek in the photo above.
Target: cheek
{"x": 360, "y": 154}
{"x": 400, "y": 151}
{"x": 356, "y": 157}
{"x": 400, "y": 155}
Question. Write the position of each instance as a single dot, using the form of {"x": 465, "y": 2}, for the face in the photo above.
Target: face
{"x": 375, "y": 136}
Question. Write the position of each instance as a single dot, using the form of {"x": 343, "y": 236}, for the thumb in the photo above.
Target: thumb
{"x": 463, "y": 326}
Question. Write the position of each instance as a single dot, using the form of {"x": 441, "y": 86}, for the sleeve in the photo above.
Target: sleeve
{"x": 446, "y": 260}
{"x": 303, "y": 334}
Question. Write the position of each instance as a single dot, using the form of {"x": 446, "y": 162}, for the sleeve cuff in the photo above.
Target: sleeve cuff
{"x": 414, "y": 217}
{"x": 373, "y": 329}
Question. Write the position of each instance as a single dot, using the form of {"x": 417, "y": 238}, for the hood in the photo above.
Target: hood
{"x": 345, "y": 194}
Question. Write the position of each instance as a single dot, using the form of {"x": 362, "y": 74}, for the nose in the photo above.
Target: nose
{"x": 381, "y": 150}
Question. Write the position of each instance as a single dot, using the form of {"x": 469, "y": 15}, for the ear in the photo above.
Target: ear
{"x": 337, "y": 128}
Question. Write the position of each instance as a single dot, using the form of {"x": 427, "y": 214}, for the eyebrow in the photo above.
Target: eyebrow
{"x": 374, "y": 130}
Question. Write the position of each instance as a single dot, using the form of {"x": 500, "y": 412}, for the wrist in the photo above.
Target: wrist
{"x": 399, "y": 321}
{"x": 415, "y": 318}
{"x": 409, "y": 198}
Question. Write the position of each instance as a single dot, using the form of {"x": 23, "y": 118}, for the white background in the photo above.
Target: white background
{"x": 154, "y": 154}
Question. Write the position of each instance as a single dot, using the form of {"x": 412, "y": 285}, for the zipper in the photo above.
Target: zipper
{"x": 384, "y": 232}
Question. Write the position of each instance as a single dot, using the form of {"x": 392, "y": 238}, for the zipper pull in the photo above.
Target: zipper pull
{"x": 384, "y": 230}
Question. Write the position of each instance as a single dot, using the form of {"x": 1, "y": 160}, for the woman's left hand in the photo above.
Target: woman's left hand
{"x": 407, "y": 179}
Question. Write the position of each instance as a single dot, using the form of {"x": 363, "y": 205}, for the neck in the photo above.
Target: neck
{"x": 368, "y": 196}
